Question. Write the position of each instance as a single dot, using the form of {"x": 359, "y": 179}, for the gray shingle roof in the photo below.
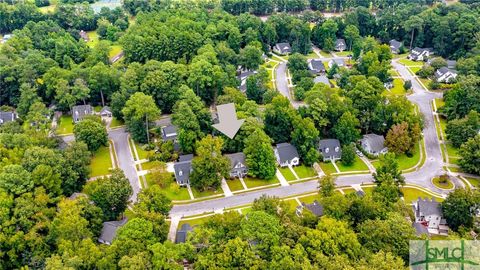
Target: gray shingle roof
{"x": 286, "y": 152}
{"x": 242, "y": 77}
{"x": 316, "y": 65}
{"x": 283, "y": 47}
{"x": 169, "y": 133}
{"x": 376, "y": 142}
{"x": 340, "y": 44}
{"x": 339, "y": 61}
{"x": 105, "y": 110}
{"x": 183, "y": 233}
{"x": 451, "y": 64}
{"x": 80, "y": 111}
{"x": 395, "y": 45}
{"x": 428, "y": 207}
{"x": 7, "y": 117}
{"x": 330, "y": 148}
{"x": 236, "y": 158}
{"x": 420, "y": 228}
{"x": 109, "y": 231}
{"x": 442, "y": 71}
{"x": 316, "y": 208}
{"x": 321, "y": 79}
{"x": 183, "y": 168}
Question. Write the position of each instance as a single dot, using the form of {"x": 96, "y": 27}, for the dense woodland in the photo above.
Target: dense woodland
{"x": 182, "y": 61}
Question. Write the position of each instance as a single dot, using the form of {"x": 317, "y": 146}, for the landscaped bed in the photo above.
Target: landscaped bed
{"x": 358, "y": 165}
{"x": 287, "y": 173}
{"x": 255, "y": 182}
{"x": 304, "y": 171}
{"x": 234, "y": 184}
{"x": 65, "y": 125}
{"x": 101, "y": 162}
{"x": 443, "y": 182}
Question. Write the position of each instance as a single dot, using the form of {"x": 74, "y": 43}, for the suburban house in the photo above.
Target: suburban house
{"x": 182, "y": 234}
{"x": 428, "y": 213}
{"x": 7, "y": 117}
{"x": 287, "y": 155}
{"x": 109, "y": 231}
{"x": 84, "y": 35}
{"x": 373, "y": 144}
{"x": 169, "y": 133}
{"x": 238, "y": 166}
{"x": 445, "y": 75}
{"x": 322, "y": 79}
{"x": 106, "y": 111}
{"x": 395, "y": 46}
{"x": 330, "y": 149}
{"x": 242, "y": 77}
{"x": 316, "y": 208}
{"x": 80, "y": 111}
{"x": 420, "y": 54}
{"x": 451, "y": 64}
{"x": 316, "y": 66}
{"x": 6, "y": 38}
{"x": 340, "y": 45}
{"x": 339, "y": 61}
{"x": 282, "y": 48}
{"x": 183, "y": 168}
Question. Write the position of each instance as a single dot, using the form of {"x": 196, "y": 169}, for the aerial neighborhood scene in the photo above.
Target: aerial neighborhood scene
{"x": 237, "y": 134}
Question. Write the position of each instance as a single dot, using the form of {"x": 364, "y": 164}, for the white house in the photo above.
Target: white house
{"x": 428, "y": 213}
{"x": 420, "y": 54}
{"x": 282, "y": 48}
{"x": 338, "y": 61}
{"x": 287, "y": 155}
{"x": 7, "y": 117}
{"x": 373, "y": 144}
{"x": 445, "y": 75}
{"x": 80, "y": 111}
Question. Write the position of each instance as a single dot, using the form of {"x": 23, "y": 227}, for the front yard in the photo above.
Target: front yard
{"x": 234, "y": 184}
{"x": 256, "y": 182}
{"x": 304, "y": 171}
{"x": 358, "y": 165}
{"x": 411, "y": 194}
{"x": 397, "y": 88}
{"x": 408, "y": 62}
{"x": 174, "y": 192}
{"x": 65, "y": 125}
{"x": 101, "y": 162}
{"x": 287, "y": 173}
{"x": 206, "y": 193}
{"x": 327, "y": 167}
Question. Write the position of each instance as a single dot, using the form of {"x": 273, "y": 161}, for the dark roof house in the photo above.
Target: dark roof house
{"x": 183, "y": 168}
{"x": 80, "y": 111}
{"x": 106, "y": 111}
{"x": 445, "y": 75}
{"x": 282, "y": 48}
{"x": 340, "y": 45}
{"x": 238, "y": 166}
{"x": 287, "y": 155}
{"x": 316, "y": 208}
{"x": 182, "y": 234}
{"x": 169, "y": 133}
{"x": 322, "y": 79}
{"x": 395, "y": 45}
{"x": 242, "y": 77}
{"x": 373, "y": 144}
{"x": 330, "y": 149}
{"x": 316, "y": 66}
{"x": 7, "y": 117}
{"x": 451, "y": 64}
{"x": 109, "y": 231}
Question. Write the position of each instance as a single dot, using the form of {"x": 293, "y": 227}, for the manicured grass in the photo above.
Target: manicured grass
{"x": 393, "y": 72}
{"x": 116, "y": 122}
{"x": 405, "y": 162}
{"x": 142, "y": 154}
{"x": 408, "y": 62}
{"x": 206, "y": 193}
{"x": 325, "y": 54}
{"x": 148, "y": 165}
{"x": 443, "y": 126}
{"x": 304, "y": 171}
{"x": 358, "y": 165}
{"x": 397, "y": 88}
{"x": 93, "y": 38}
{"x": 411, "y": 194}
{"x": 276, "y": 58}
{"x": 415, "y": 69}
{"x": 452, "y": 151}
{"x": 255, "y": 182}
{"x": 474, "y": 181}
{"x": 439, "y": 102}
{"x": 327, "y": 168}
{"x": 348, "y": 190}
{"x": 193, "y": 222}
{"x": 173, "y": 192}
{"x": 448, "y": 185}
{"x": 425, "y": 82}
{"x": 310, "y": 199}
{"x": 292, "y": 202}
{"x": 344, "y": 53}
{"x": 287, "y": 174}
{"x": 396, "y": 56}
{"x": 234, "y": 184}
{"x": 101, "y": 162}
{"x": 65, "y": 125}
{"x": 368, "y": 190}
{"x": 312, "y": 55}
{"x": 114, "y": 50}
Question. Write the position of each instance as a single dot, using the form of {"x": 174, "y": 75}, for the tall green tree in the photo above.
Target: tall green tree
{"x": 92, "y": 133}
{"x": 139, "y": 111}
{"x": 305, "y": 138}
{"x": 260, "y": 159}
{"x": 459, "y": 208}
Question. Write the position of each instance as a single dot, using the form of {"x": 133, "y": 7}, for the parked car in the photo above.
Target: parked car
{"x": 359, "y": 153}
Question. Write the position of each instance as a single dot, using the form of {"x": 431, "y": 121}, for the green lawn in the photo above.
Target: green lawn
{"x": 452, "y": 151}
{"x": 174, "y": 192}
{"x": 114, "y": 50}
{"x": 255, "y": 182}
{"x": 358, "y": 165}
{"x": 116, "y": 122}
{"x": 344, "y": 53}
{"x": 405, "y": 162}
{"x": 234, "y": 184}
{"x": 474, "y": 181}
{"x": 287, "y": 174}
{"x": 101, "y": 162}
{"x": 47, "y": 9}
{"x": 439, "y": 102}
{"x": 348, "y": 190}
{"x": 93, "y": 38}
{"x": 193, "y": 222}
{"x": 393, "y": 72}
{"x": 425, "y": 82}
{"x": 325, "y": 54}
{"x": 142, "y": 154}
{"x": 448, "y": 185}
{"x": 408, "y": 62}
{"x": 443, "y": 126}
{"x": 327, "y": 168}
{"x": 312, "y": 55}
{"x": 411, "y": 194}
{"x": 415, "y": 69}
{"x": 199, "y": 194}
{"x": 310, "y": 198}
{"x": 396, "y": 56}
{"x": 65, "y": 125}
{"x": 397, "y": 88}
{"x": 368, "y": 190}
{"x": 304, "y": 171}
{"x": 148, "y": 165}
{"x": 292, "y": 202}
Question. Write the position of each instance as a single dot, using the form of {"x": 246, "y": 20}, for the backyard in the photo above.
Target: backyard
{"x": 65, "y": 125}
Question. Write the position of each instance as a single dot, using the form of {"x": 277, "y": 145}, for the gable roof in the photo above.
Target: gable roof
{"x": 333, "y": 146}
{"x": 286, "y": 152}
{"x": 340, "y": 42}
{"x": 339, "y": 61}
{"x": 376, "y": 142}
{"x": 420, "y": 228}
{"x": 105, "y": 110}
{"x": 236, "y": 158}
{"x": 442, "y": 71}
{"x": 428, "y": 207}
{"x": 419, "y": 51}
{"x": 79, "y": 111}
{"x": 316, "y": 208}
{"x": 169, "y": 132}
{"x": 283, "y": 47}
{"x": 321, "y": 79}
{"x": 316, "y": 65}
{"x": 182, "y": 234}
{"x": 242, "y": 77}
{"x": 183, "y": 168}
{"x": 451, "y": 64}
{"x": 109, "y": 230}
{"x": 395, "y": 45}
{"x": 7, "y": 117}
